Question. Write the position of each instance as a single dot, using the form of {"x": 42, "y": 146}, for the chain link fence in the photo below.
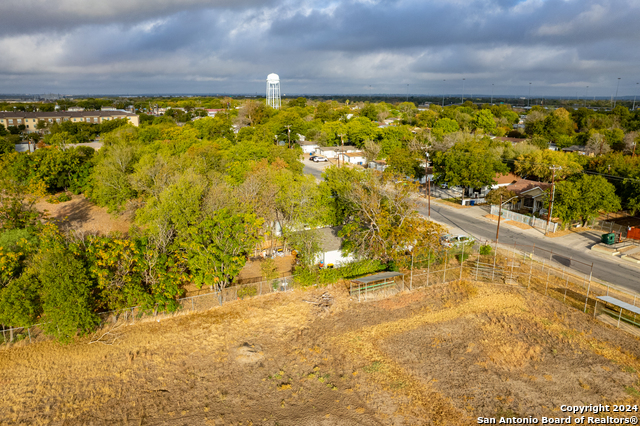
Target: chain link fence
{"x": 546, "y": 272}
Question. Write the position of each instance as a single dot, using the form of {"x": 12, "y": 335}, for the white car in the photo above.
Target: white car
{"x": 319, "y": 159}
{"x": 449, "y": 240}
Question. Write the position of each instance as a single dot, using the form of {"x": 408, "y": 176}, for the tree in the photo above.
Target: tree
{"x": 597, "y": 144}
{"x": 493, "y": 197}
{"x": 402, "y": 162}
{"x": 307, "y": 245}
{"x": 483, "y": 120}
{"x": 68, "y": 304}
{"x": 382, "y": 223}
{"x": 6, "y": 146}
{"x": 583, "y": 197}
{"x": 538, "y": 164}
{"x": 447, "y": 125}
{"x": 371, "y": 150}
{"x": 468, "y": 164}
{"x": 217, "y": 247}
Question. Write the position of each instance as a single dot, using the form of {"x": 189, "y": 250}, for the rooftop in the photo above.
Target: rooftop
{"x": 329, "y": 239}
{"x": 56, "y": 114}
{"x": 523, "y": 185}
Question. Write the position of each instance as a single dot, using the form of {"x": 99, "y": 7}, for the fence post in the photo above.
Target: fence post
{"x": 429, "y": 266}
{"x": 29, "y": 333}
{"x": 461, "y": 263}
{"x": 619, "y": 316}
{"x": 588, "y": 288}
{"x": 547, "y": 286}
{"x": 610, "y": 227}
{"x": 493, "y": 271}
{"x": 192, "y": 307}
{"x": 530, "y": 269}
{"x": 477, "y": 263}
{"x": 411, "y": 276}
{"x": 513, "y": 260}
{"x": 444, "y": 270}
{"x": 565, "y": 289}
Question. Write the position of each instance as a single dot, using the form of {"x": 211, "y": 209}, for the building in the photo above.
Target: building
{"x": 353, "y": 158}
{"x": 308, "y": 147}
{"x": 531, "y": 195}
{"x": 334, "y": 151}
{"x": 213, "y": 112}
{"x": 331, "y": 248}
{"x": 30, "y": 119}
{"x": 273, "y": 91}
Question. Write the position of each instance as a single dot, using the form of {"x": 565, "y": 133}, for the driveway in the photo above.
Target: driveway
{"x": 315, "y": 169}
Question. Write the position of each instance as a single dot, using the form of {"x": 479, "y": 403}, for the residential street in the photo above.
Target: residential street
{"x": 575, "y": 246}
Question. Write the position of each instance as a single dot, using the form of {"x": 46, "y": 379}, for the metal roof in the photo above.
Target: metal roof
{"x": 620, "y": 304}
{"x": 377, "y": 277}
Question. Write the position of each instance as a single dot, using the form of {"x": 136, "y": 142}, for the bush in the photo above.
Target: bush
{"x": 304, "y": 277}
{"x": 485, "y": 250}
{"x": 248, "y": 291}
{"x": 64, "y": 197}
{"x": 462, "y": 257}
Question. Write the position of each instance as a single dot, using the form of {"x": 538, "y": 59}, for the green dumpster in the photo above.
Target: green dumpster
{"x": 608, "y": 238}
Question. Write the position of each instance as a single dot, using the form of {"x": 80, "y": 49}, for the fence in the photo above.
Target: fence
{"x": 201, "y": 302}
{"x": 609, "y": 227}
{"x": 522, "y": 218}
{"x": 545, "y": 272}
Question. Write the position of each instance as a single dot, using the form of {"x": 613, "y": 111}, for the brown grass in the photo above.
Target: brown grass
{"x": 439, "y": 355}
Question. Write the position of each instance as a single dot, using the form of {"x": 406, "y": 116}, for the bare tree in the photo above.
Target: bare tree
{"x": 371, "y": 150}
{"x": 630, "y": 141}
{"x": 597, "y": 144}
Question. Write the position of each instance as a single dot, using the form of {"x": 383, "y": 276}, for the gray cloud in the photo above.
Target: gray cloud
{"x": 80, "y": 46}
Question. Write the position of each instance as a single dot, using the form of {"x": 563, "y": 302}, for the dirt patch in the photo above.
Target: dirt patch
{"x": 441, "y": 355}
{"x": 82, "y": 215}
{"x": 564, "y": 232}
{"x": 252, "y": 270}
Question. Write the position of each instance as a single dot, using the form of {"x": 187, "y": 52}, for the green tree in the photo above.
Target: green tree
{"x": 539, "y": 163}
{"x": 483, "y": 120}
{"x": 402, "y": 162}
{"x": 501, "y": 193}
{"x": 584, "y": 197}
{"x": 447, "y": 125}
{"x": 217, "y": 247}
{"x": 468, "y": 164}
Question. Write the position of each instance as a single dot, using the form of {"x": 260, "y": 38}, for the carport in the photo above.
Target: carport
{"x": 618, "y": 313}
{"x": 373, "y": 283}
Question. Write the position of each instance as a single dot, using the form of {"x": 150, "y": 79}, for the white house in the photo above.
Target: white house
{"x": 330, "y": 244}
{"x": 213, "y": 112}
{"x": 353, "y": 158}
{"x": 308, "y": 147}
{"x": 531, "y": 195}
{"x": 379, "y": 165}
{"x": 333, "y": 151}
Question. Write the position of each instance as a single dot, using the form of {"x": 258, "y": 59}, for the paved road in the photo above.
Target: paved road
{"x": 574, "y": 246}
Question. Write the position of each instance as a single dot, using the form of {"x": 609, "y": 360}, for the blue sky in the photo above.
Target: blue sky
{"x": 317, "y": 47}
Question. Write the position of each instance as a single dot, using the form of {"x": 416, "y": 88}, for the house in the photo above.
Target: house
{"x": 308, "y": 147}
{"x": 330, "y": 246}
{"x": 531, "y": 195}
{"x": 30, "y": 119}
{"x": 504, "y": 180}
{"x": 213, "y": 112}
{"x": 353, "y": 157}
{"x": 333, "y": 151}
{"x": 582, "y": 150}
{"x": 379, "y": 165}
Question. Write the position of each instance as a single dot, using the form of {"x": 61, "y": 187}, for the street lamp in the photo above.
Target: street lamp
{"x": 616, "y": 98}
{"x": 462, "y": 96}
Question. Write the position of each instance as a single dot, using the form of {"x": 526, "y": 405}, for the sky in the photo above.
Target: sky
{"x": 551, "y": 47}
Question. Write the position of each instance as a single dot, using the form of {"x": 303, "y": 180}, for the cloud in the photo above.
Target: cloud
{"x": 81, "y": 46}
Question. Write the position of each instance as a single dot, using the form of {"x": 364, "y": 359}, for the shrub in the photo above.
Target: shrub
{"x": 485, "y": 250}
{"x": 462, "y": 257}
{"x": 64, "y": 197}
{"x": 248, "y": 291}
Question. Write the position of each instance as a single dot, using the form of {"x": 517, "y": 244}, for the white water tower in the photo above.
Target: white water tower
{"x": 273, "y": 91}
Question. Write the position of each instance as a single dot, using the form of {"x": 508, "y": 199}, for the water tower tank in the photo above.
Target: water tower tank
{"x": 273, "y": 91}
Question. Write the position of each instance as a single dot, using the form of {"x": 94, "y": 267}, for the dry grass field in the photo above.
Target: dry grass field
{"x": 442, "y": 355}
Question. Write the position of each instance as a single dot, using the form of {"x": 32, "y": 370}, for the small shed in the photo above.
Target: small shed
{"x": 363, "y": 287}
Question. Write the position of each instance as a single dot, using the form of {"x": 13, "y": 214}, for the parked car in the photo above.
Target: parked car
{"x": 449, "y": 240}
{"x": 319, "y": 159}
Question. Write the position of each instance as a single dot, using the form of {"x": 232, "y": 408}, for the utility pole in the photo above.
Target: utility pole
{"x": 407, "y": 93}
{"x": 634, "y": 98}
{"x": 499, "y": 217}
{"x": 491, "y": 93}
{"x": 288, "y": 126}
{"x": 553, "y": 192}
{"x": 616, "y": 98}
{"x": 342, "y": 150}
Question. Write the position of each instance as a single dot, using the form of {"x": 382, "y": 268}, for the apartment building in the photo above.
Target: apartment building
{"x": 30, "y": 119}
